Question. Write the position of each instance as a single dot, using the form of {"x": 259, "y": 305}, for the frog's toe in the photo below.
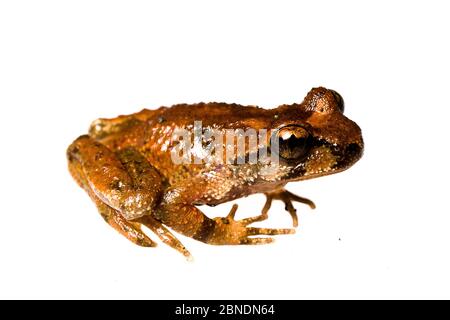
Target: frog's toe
{"x": 229, "y": 231}
{"x": 287, "y": 198}
{"x": 292, "y": 211}
{"x": 251, "y": 232}
{"x": 268, "y": 231}
{"x": 297, "y": 198}
{"x": 246, "y": 221}
{"x": 256, "y": 241}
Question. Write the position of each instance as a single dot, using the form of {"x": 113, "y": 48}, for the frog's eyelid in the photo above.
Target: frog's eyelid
{"x": 323, "y": 101}
{"x": 339, "y": 100}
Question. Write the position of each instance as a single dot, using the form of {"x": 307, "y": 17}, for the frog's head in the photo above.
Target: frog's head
{"x": 315, "y": 138}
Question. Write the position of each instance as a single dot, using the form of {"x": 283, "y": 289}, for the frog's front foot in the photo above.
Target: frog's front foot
{"x": 287, "y": 197}
{"x": 228, "y": 231}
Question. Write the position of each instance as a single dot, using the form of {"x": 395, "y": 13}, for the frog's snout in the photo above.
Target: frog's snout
{"x": 353, "y": 152}
{"x": 353, "y": 146}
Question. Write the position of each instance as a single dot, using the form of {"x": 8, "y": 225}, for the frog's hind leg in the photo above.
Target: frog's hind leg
{"x": 287, "y": 197}
{"x": 130, "y": 230}
{"x": 125, "y": 188}
{"x": 123, "y": 180}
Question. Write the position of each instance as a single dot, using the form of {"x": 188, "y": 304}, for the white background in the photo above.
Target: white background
{"x": 66, "y": 63}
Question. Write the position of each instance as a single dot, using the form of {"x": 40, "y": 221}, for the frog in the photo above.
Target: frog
{"x": 126, "y": 166}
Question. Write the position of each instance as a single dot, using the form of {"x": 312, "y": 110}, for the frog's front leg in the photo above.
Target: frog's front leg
{"x": 177, "y": 210}
{"x": 287, "y": 197}
{"x": 124, "y": 187}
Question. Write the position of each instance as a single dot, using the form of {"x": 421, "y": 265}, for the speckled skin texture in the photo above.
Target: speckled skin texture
{"x": 125, "y": 166}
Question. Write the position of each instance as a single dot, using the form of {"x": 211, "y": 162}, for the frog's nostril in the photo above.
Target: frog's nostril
{"x": 353, "y": 148}
{"x": 353, "y": 152}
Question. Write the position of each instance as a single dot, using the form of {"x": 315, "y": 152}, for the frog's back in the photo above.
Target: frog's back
{"x": 214, "y": 114}
{"x": 152, "y": 131}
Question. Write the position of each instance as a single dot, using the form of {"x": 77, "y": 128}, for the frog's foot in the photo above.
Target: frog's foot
{"x": 132, "y": 229}
{"x": 287, "y": 197}
{"x": 165, "y": 235}
{"x": 228, "y": 231}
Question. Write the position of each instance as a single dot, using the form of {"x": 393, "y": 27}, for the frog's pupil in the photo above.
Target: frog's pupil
{"x": 292, "y": 148}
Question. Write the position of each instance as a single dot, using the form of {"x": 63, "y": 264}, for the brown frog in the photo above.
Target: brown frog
{"x": 127, "y": 166}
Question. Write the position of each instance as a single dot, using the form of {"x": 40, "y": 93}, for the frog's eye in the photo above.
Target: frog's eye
{"x": 293, "y": 142}
{"x": 339, "y": 100}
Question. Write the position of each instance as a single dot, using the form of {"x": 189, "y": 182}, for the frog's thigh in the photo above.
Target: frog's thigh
{"x": 125, "y": 180}
{"x": 130, "y": 230}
